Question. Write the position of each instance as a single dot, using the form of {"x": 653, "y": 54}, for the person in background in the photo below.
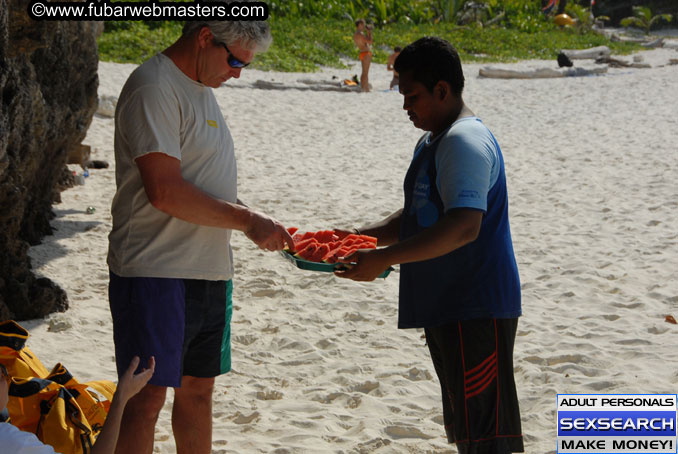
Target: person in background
{"x": 389, "y": 66}
{"x": 363, "y": 39}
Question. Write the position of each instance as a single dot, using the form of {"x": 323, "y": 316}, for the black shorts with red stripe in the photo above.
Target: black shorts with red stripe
{"x": 474, "y": 363}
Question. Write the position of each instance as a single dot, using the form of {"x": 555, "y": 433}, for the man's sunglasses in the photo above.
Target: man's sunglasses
{"x": 232, "y": 61}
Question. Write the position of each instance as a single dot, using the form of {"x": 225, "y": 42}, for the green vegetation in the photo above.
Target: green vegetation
{"x": 313, "y": 33}
{"x": 643, "y": 19}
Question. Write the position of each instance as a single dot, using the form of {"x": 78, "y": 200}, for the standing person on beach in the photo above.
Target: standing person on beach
{"x": 389, "y": 66}
{"x": 364, "y": 42}
{"x": 458, "y": 275}
{"x": 173, "y": 213}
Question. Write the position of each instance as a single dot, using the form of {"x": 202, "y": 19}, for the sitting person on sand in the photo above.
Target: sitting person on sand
{"x": 389, "y": 66}
{"x": 16, "y": 441}
{"x": 364, "y": 42}
{"x": 458, "y": 274}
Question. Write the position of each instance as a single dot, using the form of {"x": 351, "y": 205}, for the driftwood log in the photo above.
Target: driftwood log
{"x": 587, "y": 54}
{"x": 616, "y": 63}
{"x": 541, "y": 73}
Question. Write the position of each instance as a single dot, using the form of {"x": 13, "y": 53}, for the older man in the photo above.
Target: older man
{"x": 175, "y": 207}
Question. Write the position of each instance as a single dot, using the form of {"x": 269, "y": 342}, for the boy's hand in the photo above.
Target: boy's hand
{"x": 363, "y": 265}
{"x": 131, "y": 384}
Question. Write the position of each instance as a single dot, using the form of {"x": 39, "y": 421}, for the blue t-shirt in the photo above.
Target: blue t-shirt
{"x": 461, "y": 168}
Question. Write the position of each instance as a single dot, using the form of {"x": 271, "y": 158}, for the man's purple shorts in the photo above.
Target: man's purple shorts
{"x": 184, "y": 323}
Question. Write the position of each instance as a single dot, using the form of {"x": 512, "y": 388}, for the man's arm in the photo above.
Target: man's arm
{"x": 389, "y": 62}
{"x": 386, "y": 231}
{"x": 457, "y": 228}
{"x": 170, "y": 193}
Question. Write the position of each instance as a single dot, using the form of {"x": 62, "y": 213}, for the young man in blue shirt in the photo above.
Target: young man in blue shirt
{"x": 458, "y": 275}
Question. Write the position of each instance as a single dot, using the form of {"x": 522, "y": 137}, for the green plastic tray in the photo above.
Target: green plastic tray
{"x": 322, "y": 267}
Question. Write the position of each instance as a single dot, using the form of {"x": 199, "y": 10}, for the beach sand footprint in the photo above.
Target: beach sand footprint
{"x": 371, "y": 446}
{"x": 239, "y": 418}
{"x": 406, "y": 431}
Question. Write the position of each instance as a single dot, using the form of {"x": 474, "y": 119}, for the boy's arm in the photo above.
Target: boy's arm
{"x": 128, "y": 386}
{"x": 386, "y": 231}
{"x": 457, "y": 228}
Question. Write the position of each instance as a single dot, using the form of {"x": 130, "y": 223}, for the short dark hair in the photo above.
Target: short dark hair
{"x": 430, "y": 60}
{"x": 397, "y": 49}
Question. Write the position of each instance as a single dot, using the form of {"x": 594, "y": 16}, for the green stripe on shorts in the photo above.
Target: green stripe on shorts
{"x": 226, "y": 339}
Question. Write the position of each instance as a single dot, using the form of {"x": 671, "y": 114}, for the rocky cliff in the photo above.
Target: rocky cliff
{"x": 48, "y": 95}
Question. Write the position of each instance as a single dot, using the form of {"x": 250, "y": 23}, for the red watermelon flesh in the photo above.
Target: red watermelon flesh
{"x": 348, "y": 241}
{"x": 327, "y": 246}
{"x": 319, "y": 253}
{"x": 342, "y": 235}
{"x": 366, "y": 246}
{"x": 297, "y": 237}
{"x": 369, "y": 239}
{"x": 308, "y": 252}
{"x": 325, "y": 236}
{"x": 298, "y": 246}
{"x": 334, "y": 254}
{"x": 292, "y": 230}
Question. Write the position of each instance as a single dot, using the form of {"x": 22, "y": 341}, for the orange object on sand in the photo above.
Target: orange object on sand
{"x": 563, "y": 20}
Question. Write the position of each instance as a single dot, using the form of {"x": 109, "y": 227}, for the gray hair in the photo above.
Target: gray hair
{"x": 252, "y": 35}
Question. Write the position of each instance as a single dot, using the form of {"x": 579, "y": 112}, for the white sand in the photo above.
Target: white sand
{"x": 318, "y": 364}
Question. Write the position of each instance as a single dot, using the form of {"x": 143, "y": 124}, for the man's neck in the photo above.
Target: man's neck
{"x": 183, "y": 57}
{"x": 460, "y": 111}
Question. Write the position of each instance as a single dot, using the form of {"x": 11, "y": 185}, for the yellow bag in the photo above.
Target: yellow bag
{"x": 17, "y": 358}
{"x": 95, "y": 410}
{"x": 51, "y": 412}
{"x": 62, "y": 412}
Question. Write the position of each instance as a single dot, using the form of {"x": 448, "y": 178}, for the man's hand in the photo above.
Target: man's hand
{"x": 363, "y": 265}
{"x": 267, "y": 233}
{"x": 131, "y": 384}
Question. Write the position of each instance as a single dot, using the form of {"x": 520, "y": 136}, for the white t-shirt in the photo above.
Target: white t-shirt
{"x": 162, "y": 110}
{"x": 14, "y": 441}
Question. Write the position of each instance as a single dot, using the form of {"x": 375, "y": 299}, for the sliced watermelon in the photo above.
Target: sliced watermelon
{"x": 348, "y": 241}
{"x": 334, "y": 254}
{"x": 319, "y": 253}
{"x": 307, "y": 252}
{"x": 297, "y": 237}
{"x": 334, "y": 244}
{"x": 298, "y": 246}
{"x": 369, "y": 239}
{"x": 327, "y": 246}
{"x": 342, "y": 234}
{"x": 324, "y": 236}
{"x": 365, "y": 246}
